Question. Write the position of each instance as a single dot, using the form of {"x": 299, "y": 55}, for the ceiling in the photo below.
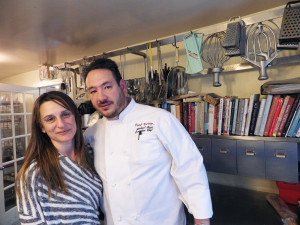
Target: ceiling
{"x": 34, "y": 32}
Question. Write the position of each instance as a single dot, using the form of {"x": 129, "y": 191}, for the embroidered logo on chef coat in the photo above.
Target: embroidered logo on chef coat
{"x": 143, "y": 127}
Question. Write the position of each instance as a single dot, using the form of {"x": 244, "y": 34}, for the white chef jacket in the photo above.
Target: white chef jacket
{"x": 149, "y": 165}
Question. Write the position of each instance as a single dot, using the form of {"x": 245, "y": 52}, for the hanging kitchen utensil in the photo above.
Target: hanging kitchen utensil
{"x": 235, "y": 37}
{"x": 261, "y": 47}
{"x": 213, "y": 53}
{"x": 193, "y": 42}
{"x": 290, "y": 26}
{"x": 162, "y": 83}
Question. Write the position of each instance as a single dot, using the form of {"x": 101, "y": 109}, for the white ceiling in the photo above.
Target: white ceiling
{"x": 34, "y": 32}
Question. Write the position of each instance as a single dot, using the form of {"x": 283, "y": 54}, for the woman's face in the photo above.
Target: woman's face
{"x": 58, "y": 122}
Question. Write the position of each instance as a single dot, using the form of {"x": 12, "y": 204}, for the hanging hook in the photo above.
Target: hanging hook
{"x": 174, "y": 43}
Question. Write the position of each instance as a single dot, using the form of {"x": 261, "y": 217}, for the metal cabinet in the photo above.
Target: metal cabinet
{"x": 261, "y": 157}
{"x": 16, "y": 104}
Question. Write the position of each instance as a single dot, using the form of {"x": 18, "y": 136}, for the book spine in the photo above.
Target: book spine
{"x": 275, "y": 117}
{"x": 256, "y": 106}
{"x": 220, "y": 122}
{"x": 279, "y": 119}
{"x": 240, "y": 119}
{"x": 294, "y": 122}
{"x": 271, "y": 115}
{"x": 253, "y": 98}
{"x": 265, "y": 115}
{"x": 178, "y": 113}
{"x": 296, "y": 129}
{"x": 192, "y": 117}
{"x": 205, "y": 117}
{"x": 260, "y": 115}
{"x": 244, "y": 116}
{"x": 236, "y": 108}
{"x": 211, "y": 113}
{"x": 290, "y": 116}
{"x": 285, "y": 116}
{"x": 226, "y": 115}
{"x": 216, "y": 113}
{"x": 197, "y": 117}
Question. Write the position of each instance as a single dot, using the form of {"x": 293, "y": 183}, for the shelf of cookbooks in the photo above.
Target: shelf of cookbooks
{"x": 255, "y": 136}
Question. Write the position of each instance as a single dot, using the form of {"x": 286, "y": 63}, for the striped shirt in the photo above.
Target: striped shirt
{"x": 80, "y": 206}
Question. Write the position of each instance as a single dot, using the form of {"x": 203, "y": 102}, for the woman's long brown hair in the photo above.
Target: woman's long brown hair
{"x": 41, "y": 149}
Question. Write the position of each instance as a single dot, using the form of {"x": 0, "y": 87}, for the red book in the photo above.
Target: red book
{"x": 271, "y": 115}
{"x": 275, "y": 117}
{"x": 285, "y": 115}
{"x": 215, "y": 129}
{"x": 279, "y": 119}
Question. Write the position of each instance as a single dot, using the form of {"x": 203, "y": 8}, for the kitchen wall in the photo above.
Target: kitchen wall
{"x": 238, "y": 83}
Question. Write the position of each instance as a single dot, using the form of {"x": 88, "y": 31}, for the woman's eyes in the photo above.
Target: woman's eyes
{"x": 51, "y": 118}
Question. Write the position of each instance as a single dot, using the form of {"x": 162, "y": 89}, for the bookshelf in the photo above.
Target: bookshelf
{"x": 258, "y": 156}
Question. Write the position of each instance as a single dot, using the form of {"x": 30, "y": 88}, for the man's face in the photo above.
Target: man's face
{"x": 106, "y": 95}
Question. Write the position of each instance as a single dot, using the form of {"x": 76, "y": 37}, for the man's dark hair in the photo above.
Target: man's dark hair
{"x": 104, "y": 63}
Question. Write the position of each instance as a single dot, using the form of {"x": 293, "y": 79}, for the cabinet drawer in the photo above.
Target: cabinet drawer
{"x": 282, "y": 161}
{"x": 204, "y": 146}
{"x": 224, "y": 156}
{"x": 251, "y": 158}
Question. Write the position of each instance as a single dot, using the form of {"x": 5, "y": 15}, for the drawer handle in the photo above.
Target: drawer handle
{"x": 223, "y": 151}
{"x": 250, "y": 152}
{"x": 280, "y": 155}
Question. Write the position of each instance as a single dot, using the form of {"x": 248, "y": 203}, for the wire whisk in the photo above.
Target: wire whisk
{"x": 213, "y": 53}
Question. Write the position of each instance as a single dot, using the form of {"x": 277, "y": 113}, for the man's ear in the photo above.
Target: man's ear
{"x": 123, "y": 86}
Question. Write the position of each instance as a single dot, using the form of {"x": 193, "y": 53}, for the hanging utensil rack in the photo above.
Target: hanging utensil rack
{"x": 256, "y": 18}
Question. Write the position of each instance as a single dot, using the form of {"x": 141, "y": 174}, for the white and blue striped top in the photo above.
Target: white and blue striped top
{"x": 80, "y": 206}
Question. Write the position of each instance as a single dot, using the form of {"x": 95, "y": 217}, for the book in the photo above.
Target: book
{"x": 290, "y": 116}
{"x": 265, "y": 115}
{"x": 202, "y": 116}
{"x": 271, "y": 114}
{"x": 220, "y": 116}
{"x": 245, "y": 111}
{"x": 215, "y": 130}
{"x": 294, "y": 121}
{"x": 197, "y": 117}
{"x": 236, "y": 106}
{"x": 178, "y": 112}
{"x": 256, "y": 106}
{"x": 191, "y": 117}
{"x": 296, "y": 129}
{"x": 173, "y": 109}
{"x": 282, "y": 110}
{"x": 226, "y": 114}
{"x": 205, "y": 118}
{"x": 211, "y": 98}
{"x": 298, "y": 133}
{"x": 231, "y": 114}
{"x": 253, "y": 98}
{"x": 211, "y": 113}
{"x": 240, "y": 116}
{"x": 260, "y": 115}
{"x": 275, "y": 117}
{"x": 285, "y": 115}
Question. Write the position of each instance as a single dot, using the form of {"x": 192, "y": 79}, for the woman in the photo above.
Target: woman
{"x": 57, "y": 183}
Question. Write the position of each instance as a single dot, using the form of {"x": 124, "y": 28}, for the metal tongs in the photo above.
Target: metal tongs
{"x": 264, "y": 47}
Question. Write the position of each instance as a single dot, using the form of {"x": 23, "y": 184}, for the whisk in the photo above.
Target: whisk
{"x": 214, "y": 54}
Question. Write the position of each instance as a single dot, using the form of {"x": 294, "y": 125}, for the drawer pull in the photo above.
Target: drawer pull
{"x": 280, "y": 155}
{"x": 250, "y": 152}
{"x": 223, "y": 151}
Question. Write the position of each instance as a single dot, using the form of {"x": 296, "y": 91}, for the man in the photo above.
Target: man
{"x": 147, "y": 161}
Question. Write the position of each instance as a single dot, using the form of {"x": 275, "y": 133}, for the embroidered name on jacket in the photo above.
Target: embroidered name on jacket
{"x": 143, "y": 127}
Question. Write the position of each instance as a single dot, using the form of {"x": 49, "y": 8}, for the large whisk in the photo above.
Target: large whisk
{"x": 214, "y": 54}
